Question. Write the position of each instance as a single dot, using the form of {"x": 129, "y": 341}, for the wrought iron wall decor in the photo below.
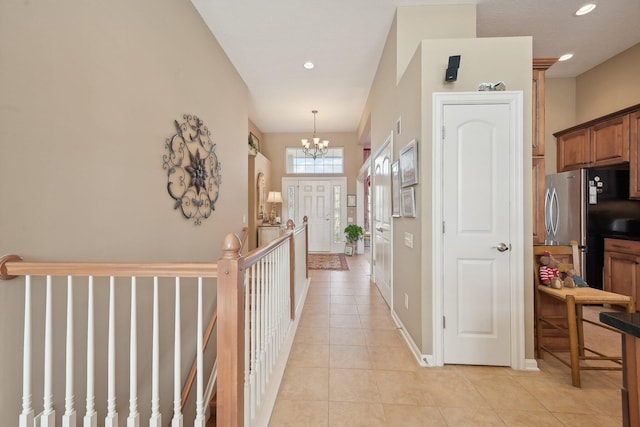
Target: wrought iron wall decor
{"x": 193, "y": 169}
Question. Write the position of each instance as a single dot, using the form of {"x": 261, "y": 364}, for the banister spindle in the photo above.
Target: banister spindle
{"x": 111, "y": 420}
{"x": 133, "y": 420}
{"x": 69, "y": 417}
{"x": 91, "y": 417}
{"x": 48, "y": 416}
{"x": 249, "y": 338}
{"x": 199, "y": 421}
{"x": 26, "y": 417}
{"x": 156, "y": 417}
{"x": 177, "y": 347}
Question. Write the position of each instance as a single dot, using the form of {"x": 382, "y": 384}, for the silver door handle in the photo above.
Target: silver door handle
{"x": 502, "y": 247}
{"x": 380, "y": 229}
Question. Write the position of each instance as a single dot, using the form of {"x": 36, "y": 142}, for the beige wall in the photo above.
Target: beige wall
{"x": 608, "y": 87}
{"x": 416, "y": 23}
{"x": 560, "y": 113}
{"x": 483, "y": 60}
{"x": 406, "y": 261}
{"x": 90, "y": 92}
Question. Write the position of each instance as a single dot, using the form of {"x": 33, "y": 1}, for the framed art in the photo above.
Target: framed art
{"x": 351, "y": 200}
{"x": 395, "y": 189}
{"x": 409, "y": 164}
{"x": 348, "y": 250}
{"x": 409, "y": 202}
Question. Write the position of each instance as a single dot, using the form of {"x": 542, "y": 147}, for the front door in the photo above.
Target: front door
{"x": 476, "y": 240}
{"x": 381, "y": 202}
{"x": 315, "y": 202}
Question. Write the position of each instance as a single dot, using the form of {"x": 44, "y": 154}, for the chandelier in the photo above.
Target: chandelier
{"x": 315, "y": 148}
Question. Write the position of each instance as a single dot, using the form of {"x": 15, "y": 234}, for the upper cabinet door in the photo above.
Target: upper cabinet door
{"x": 610, "y": 141}
{"x": 537, "y": 141}
{"x": 573, "y": 150}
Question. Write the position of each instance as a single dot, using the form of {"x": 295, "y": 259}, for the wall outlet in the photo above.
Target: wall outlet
{"x": 406, "y": 301}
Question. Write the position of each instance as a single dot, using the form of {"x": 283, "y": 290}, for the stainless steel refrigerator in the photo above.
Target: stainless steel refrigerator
{"x": 588, "y": 205}
{"x": 565, "y": 210}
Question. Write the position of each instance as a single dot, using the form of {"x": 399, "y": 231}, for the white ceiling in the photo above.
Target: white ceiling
{"x": 268, "y": 42}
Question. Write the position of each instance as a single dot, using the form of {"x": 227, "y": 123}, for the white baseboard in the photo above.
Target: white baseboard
{"x": 531, "y": 365}
{"x": 424, "y": 360}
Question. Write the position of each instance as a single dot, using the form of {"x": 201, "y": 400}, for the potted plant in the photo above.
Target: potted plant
{"x": 253, "y": 147}
{"x": 353, "y": 233}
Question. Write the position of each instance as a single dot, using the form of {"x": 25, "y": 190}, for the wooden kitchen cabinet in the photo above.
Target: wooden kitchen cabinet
{"x": 540, "y": 66}
{"x": 574, "y": 150}
{"x": 634, "y": 155}
{"x": 538, "y": 181}
{"x": 605, "y": 141}
{"x": 622, "y": 267}
{"x": 609, "y": 141}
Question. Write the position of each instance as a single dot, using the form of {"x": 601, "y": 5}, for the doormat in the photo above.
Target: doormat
{"x": 328, "y": 262}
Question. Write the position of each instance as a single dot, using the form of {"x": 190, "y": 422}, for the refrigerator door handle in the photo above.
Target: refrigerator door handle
{"x": 547, "y": 212}
{"x": 555, "y": 209}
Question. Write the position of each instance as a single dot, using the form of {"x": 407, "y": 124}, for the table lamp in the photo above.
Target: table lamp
{"x": 273, "y": 198}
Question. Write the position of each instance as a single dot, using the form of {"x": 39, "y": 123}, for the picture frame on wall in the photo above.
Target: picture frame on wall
{"x": 409, "y": 164}
{"x": 395, "y": 189}
{"x": 409, "y": 202}
{"x": 351, "y": 200}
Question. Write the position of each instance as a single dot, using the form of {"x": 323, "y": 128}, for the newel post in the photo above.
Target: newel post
{"x": 230, "y": 400}
{"x": 292, "y": 268}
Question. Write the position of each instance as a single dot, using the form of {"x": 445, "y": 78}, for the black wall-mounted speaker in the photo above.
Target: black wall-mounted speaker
{"x": 452, "y": 69}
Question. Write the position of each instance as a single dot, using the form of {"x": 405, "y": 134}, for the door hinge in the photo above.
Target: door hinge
{"x": 443, "y": 130}
{"x": 442, "y": 227}
{"x": 444, "y": 322}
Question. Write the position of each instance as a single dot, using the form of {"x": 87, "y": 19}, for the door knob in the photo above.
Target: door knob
{"x": 380, "y": 229}
{"x": 502, "y": 247}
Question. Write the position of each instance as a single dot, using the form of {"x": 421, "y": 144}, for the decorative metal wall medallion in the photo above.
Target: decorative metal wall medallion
{"x": 193, "y": 170}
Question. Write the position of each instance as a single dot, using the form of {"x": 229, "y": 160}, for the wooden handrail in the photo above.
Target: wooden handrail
{"x": 10, "y": 268}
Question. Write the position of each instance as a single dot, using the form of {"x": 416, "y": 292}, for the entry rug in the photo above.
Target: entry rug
{"x": 328, "y": 262}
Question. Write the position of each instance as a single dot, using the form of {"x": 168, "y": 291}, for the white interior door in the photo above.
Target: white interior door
{"x": 476, "y": 241}
{"x": 315, "y": 202}
{"x": 381, "y": 202}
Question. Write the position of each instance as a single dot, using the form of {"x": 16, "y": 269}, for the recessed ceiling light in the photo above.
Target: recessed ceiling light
{"x": 585, "y": 9}
{"x": 309, "y": 65}
{"x": 566, "y": 57}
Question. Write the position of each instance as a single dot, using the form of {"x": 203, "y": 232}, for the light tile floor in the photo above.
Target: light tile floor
{"x": 350, "y": 366}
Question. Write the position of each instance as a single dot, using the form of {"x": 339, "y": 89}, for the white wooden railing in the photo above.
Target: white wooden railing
{"x": 255, "y": 333}
{"x": 255, "y": 298}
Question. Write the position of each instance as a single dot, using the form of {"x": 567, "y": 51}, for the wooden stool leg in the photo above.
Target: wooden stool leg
{"x": 580, "y": 329}
{"x": 538, "y": 324}
{"x": 573, "y": 340}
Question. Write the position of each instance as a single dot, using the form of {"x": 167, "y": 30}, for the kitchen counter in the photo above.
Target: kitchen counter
{"x": 629, "y": 325}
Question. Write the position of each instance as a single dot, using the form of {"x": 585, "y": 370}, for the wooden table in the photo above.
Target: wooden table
{"x": 575, "y": 298}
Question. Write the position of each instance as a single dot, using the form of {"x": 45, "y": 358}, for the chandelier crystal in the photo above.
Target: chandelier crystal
{"x": 314, "y": 148}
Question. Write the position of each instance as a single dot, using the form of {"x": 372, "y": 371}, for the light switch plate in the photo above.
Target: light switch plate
{"x": 408, "y": 240}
